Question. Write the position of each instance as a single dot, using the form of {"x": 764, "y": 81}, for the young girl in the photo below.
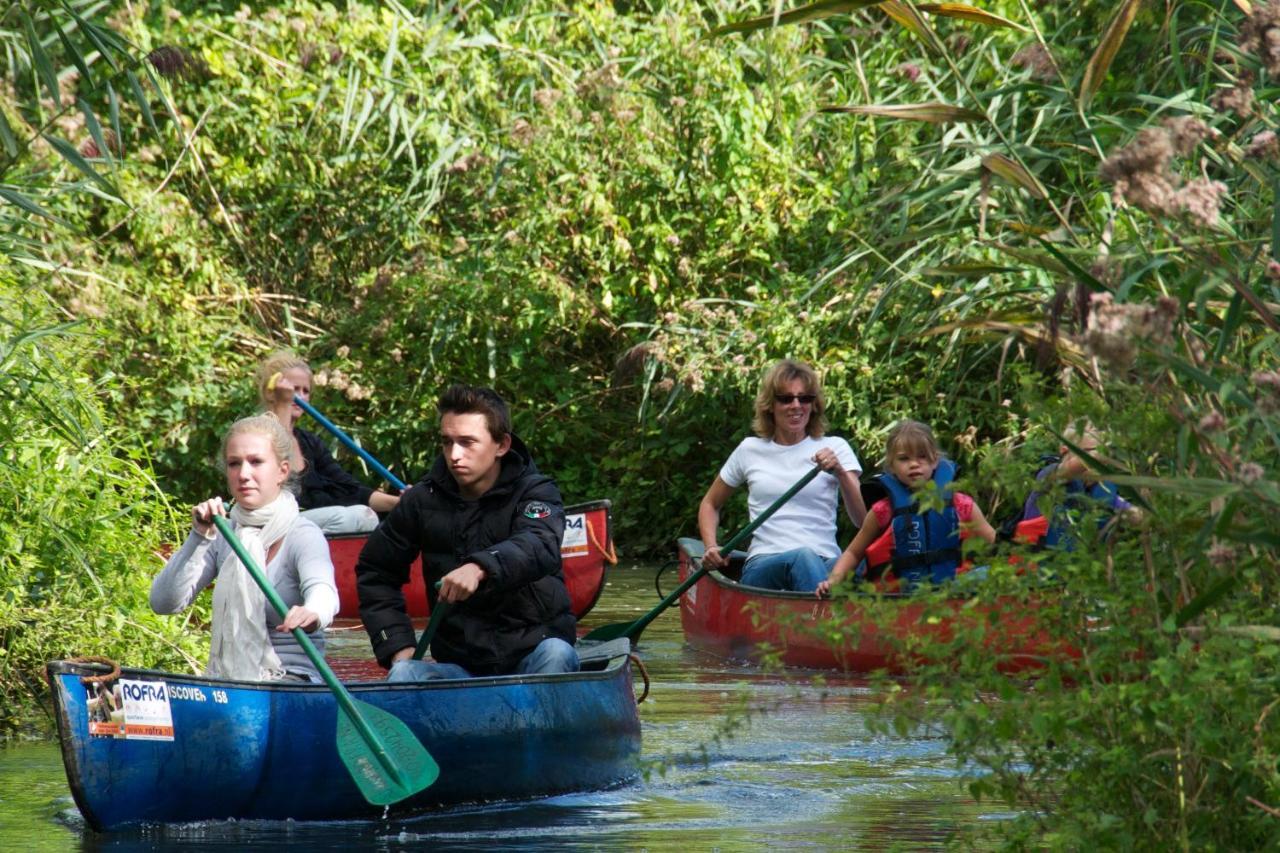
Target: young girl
{"x": 914, "y": 545}
{"x": 329, "y": 496}
{"x": 292, "y": 550}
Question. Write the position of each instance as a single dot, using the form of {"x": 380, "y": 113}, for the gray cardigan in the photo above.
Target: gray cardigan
{"x": 301, "y": 572}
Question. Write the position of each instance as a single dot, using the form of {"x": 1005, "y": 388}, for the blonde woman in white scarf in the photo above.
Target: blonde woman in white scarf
{"x": 250, "y": 642}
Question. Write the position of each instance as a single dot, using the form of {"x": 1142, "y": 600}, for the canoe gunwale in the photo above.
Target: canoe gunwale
{"x": 605, "y": 673}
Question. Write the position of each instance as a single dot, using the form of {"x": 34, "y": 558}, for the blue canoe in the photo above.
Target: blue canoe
{"x": 182, "y": 748}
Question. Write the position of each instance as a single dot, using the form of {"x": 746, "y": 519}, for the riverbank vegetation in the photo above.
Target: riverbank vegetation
{"x": 999, "y": 222}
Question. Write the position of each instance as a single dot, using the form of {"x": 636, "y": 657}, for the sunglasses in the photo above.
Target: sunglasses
{"x": 788, "y": 399}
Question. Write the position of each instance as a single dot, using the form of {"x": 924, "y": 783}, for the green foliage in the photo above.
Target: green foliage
{"x": 619, "y": 222}
{"x": 80, "y": 516}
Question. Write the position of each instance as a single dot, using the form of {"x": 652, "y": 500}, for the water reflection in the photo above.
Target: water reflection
{"x": 802, "y": 771}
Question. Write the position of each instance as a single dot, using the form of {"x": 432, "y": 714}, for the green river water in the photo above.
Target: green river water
{"x": 804, "y": 772}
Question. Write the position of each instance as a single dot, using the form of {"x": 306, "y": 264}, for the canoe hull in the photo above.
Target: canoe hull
{"x": 729, "y": 620}
{"x": 268, "y": 751}
{"x": 586, "y": 550}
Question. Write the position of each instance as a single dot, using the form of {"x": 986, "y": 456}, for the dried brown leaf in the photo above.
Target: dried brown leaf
{"x": 1014, "y": 173}
{"x": 1096, "y": 71}
{"x": 932, "y": 112}
{"x": 969, "y": 13}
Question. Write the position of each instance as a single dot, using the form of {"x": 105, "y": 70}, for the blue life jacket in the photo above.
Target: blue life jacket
{"x": 926, "y": 545}
{"x": 1079, "y": 499}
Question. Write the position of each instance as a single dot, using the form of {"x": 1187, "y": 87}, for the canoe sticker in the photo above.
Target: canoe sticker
{"x": 575, "y": 536}
{"x": 138, "y": 710}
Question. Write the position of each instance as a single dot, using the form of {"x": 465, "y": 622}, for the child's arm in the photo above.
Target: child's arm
{"x": 979, "y": 526}
{"x": 852, "y": 555}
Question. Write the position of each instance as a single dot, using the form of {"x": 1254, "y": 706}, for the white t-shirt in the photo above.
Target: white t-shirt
{"x": 808, "y": 520}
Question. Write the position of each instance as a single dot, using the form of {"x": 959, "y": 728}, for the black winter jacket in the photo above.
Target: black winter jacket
{"x": 513, "y": 532}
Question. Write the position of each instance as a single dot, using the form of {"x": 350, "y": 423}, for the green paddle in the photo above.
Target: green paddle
{"x": 632, "y": 630}
{"x": 437, "y": 616}
{"x": 384, "y": 758}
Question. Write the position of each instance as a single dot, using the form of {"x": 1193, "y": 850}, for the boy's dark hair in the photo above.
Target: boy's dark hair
{"x": 462, "y": 399}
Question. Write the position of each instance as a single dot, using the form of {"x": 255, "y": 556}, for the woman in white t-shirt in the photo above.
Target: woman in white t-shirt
{"x": 796, "y": 547}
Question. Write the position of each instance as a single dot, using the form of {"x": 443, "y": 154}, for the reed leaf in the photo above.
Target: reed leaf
{"x": 1014, "y": 173}
{"x": 40, "y": 59}
{"x": 935, "y": 113}
{"x": 27, "y": 204}
{"x": 76, "y": 58}
{"x": 75, "y": 158}
{"x": 804, "y": 14}
{"x": 7, "y": 138}
{"x": 1096, "y": 71}
{"x": 907, "y": 16}
{"x": 971, "y": 14}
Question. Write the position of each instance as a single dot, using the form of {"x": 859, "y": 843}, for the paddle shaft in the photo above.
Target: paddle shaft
{"x": 437, "y": 616}
{"x": 340, "y": 693}
{"x": 351, "y": 445}
{"x": 633, "y": 632}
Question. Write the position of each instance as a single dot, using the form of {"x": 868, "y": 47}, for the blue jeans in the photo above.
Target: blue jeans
{"x": 800, "y": 570}
{"x": 550, "y": 656}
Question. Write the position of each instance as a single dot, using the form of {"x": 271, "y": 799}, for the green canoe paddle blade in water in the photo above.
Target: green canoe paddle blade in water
{"x": 415, "y": 769}
{"x": 384, "y": 758}
{"x": 633, "y": 630}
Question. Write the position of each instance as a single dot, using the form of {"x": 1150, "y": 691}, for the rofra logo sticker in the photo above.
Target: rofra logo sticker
{"x": 537, "y": 509}
{"x": 146, "y": 710}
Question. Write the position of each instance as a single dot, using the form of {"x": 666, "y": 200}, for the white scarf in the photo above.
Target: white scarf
{"x": 241, "y": 648}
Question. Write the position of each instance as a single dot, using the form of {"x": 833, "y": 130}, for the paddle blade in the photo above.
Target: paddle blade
{"x": 611, "y": 632}
{"x": 413, "y": 768}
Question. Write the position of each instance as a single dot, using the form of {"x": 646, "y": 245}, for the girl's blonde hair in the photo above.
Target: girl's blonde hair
{"x": 779, "y": 375}
{"x": 275, "y": 432}
{"x": 911, "y": 437}
{"x": 278, "y": 362}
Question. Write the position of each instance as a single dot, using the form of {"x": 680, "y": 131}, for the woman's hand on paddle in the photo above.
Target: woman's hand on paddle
{"x": 202, "y": 515}
{"x": 827, "y": 460}
{"x": 299, "y": 617}
{"x": 282, "y": 391}
{"x": 461, "y": 583}
{"x": 713, "y": 558}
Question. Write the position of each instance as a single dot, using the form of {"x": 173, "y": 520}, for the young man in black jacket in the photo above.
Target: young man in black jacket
{"x": 488, "y": 527}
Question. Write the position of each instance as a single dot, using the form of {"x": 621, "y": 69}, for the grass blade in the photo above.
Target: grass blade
{"x": 934, "y": 113}
{"x": 969, "y": 13}
{"x": 1014, "y": 173}
{"x": 1096, "y": 71}
{"x": 804, "y": 14}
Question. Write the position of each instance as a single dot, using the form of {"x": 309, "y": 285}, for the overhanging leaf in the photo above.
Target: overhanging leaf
{"x": 1014, "y": 173}
{"x": 931, "y": 112}
{"x": 1096, "y": 71}
{"x": 908, "y": 17}
{"x": 804, "y": 14}
{"x": 26, "y": 204}
{"x": 44, "y": 68}
{"x": 969, "y": 13}
{"x": 75, "y": 158}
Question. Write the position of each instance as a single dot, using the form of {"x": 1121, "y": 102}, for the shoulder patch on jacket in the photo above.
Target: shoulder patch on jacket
{"x": 537, "y": 509}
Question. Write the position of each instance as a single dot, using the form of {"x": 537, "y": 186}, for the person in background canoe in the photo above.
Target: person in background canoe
{"x": 903, "y": 545}
{"x": 336, "y": 501}
{"x": 488, "y": 525}
{"x": 250, "y": 641}
{"x": 1085, "y": 492}
{"x": 796, "y": 547}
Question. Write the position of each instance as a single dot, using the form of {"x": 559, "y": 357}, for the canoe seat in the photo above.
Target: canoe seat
{"x": 596, "y": 656}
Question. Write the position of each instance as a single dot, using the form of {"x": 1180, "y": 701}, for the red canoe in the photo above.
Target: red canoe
{"x": 727, "y": 619}
{"x": 587, "y": 547}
